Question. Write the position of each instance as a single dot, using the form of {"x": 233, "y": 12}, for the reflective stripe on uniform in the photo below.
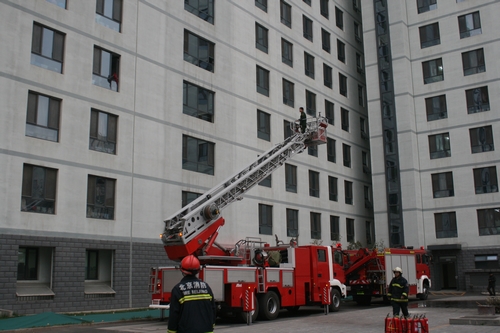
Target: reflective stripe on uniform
{"x": 199, "y": 297}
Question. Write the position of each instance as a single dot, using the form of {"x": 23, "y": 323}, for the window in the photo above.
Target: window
{"x": 365, "y": 162}
{"x": 429, "y": 35}
{"x": 340, "y": 51}
{"x": 315, "y": 225}
{"x": 188, "y": 197}
{"x": 267, "y": 182}
{"x": 292, "y": 222}
{"x": 309, "y": 65}
{"x": 265, "y": 219}
{"x": 442, "y": 185}
{"x": 426, "y": 5}
{"x": 199, "y": 51}
{"x": 361, "y": 95}
{"x": 469, "y": 25}
{"x": 307, "y": 2}
{"x": 363, "y": 128}
{"x": 198, "y": 102}
{"x": 327, "y": 76}
{"x": 436, "y": 108}
{"x": 325, "y": 40}
{"x": 390, "y": 141}
{"x": 356, "y": 5}
{"x": 348, "y": 192}
{"x": 313, "y": 150}
{"x": 481, "y": 139}
{"x": 39, "y": 189}
{"x": 487, "y": 261}
{"x": 261, "y": 39}
{"x": 198, "y": 155}
{"x": 262, "y": 81}
{"x": 34, "y": 273}
{"x": 286, "y": 14}
{"x": 439, "y": 145}
{"x": 446, "y": 225}
{"x": 477, "y": 100}
{"x": 349, "y": 224}
{"x": 488, "y": 221}
{"x": 204, "y": 9}
{"x": 291, "y": 178}
{"x": 385, "y": 80}
{"x": 343, "y": 85}
{"x": 287, "y": 129}
{"x": 433, "y": 71}
{"x": 263, "y": 125}
{"x": 307, "y": 24}
{"x": 339, "y": 18}
{"x": 99, "y": 273}
{"x": 310, "y": 103}
{"x": 357, "y": 32}
{"x": 485, "y": 180}
{"x": 344, "y": 118}
{"x": 262, "y": 4}
{"x": 323, "y": 8}
{"x": 330, "y": 150}
{"x": 333, "y": 188}
{"x": 314, "y": 184}
{"x": 59, "y": 3}
{"x": 47, "y": 48}
{"x": 370, "y": 232}
{"x": 288, "y": 93}
{"x": 346, "y": 152}
{"x": 106, "y": 69}
{"x": 101, "y": 198}
{"x": 382, "y": 27}
{"x": 42, "y": 118}
{"x": 473, "y": 62}
{"x": 286, "y": 52}
{"x": 330, "y": 116}
{"x": 359, "y": 63}
{"x": 103, "y": 129}
{"x": 334, "y": 228}
{"x": 109, "y": 13}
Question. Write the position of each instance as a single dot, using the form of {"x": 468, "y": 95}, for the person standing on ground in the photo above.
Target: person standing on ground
{"x": 303, "y": 120}
{"x": 192, "y": 304}
{"x": 491, "y": 284}
{"x": 398, "y": 293}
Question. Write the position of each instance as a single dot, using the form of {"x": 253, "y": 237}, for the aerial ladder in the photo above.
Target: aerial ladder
{"x": 194, "y": 228}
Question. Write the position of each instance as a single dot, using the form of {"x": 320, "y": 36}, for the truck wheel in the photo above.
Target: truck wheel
{"x": 255, "y": 312}
{"x": 335, "y": 298}
{"x": 423, "y": 296}
{"x": 269, "y": 306}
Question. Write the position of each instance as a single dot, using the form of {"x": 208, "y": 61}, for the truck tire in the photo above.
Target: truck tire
{"x": 255, "y": 312}
{"x": 423, "y": 296}
{"x": 335, "y": 298}
{"x": 269, "y": 306}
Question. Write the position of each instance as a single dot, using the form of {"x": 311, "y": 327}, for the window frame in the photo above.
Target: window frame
{"x": 45, "y": 200}
{"x": 261, "y": 37}
{"x": 290, "y": 178}
{"x": 333, "y": 188}
{"x": 434, "y": 146}
{"x": 262, "y": 77}
{"x": 339, "y": 18}
{"x": 113, "y": 19}
{"x": 348, "y": 192}
{"x": 315, "y": 224}
{"x": 428, "y": 67}
{"x": 286, "y": 14}
{"x": 43, "y": 122}
{"x": 307, "y": 28}
{"x": 286, "y": 52}
{"x": 468, "y": 62}
{"x": 488, "y": 221}
{"x": 477, "y": 99}
{"x": 343, "y": 84}
{"x": 433, "y": 112}
{"x": 325, "y": 40}
{"x": 309, "y": 69}
{"x": 426, "y": 5}
{"x": 429, "y": 35}
{"x": 192, "y": 51}
{"x": 350, "y": 230}
{"x": 465, "y": 31}
{"x": 481, "y": 139}
{"x": 107, "y": 144}
{"x": 314, "y": 184}
{"x": 288, "y": 93}
{"x": 331, "y": 150}
{"x": 442, "y": 185}
{"x": 485, "y": 180}
{"x": 47, "y": 48}
{"x": 110, "y": 73}
{"x": 310, "y": 103}
{"x": 204, "y": 108}
{"x": 101, "y": 208}
{"x": 330, "y": 112}
{"x": 334, "y": 228}
{"x": 205, "y": 155}
{"x": 263, "y": 125}
{"x": 292, "y": 222}
{"x": 346, "y": 154}
{"x": 340, "y": 50}
{"x": 265, "y": 219}
{"x": 443, "y": 230}
{"x": 206, "y": 14}
{"x": 327, "y": 76}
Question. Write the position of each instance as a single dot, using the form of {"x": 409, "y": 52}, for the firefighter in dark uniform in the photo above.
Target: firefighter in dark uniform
{"x": 303, "y": 120}
{"x": 398, "y": 293}
{"x": 192, "y": 304}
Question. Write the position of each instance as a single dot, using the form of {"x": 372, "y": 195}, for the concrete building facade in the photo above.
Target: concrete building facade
{"x": 432, "y": 83}
{"x": 117, "y": 113}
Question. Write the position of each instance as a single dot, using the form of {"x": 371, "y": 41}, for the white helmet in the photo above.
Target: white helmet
{"x": 398, "y": 269}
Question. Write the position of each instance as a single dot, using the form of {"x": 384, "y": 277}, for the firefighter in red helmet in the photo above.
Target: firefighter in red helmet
{"x": 192, "y": 304}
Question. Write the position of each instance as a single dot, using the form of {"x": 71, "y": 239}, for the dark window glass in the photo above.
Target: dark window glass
{"x": 310, "y": 103}
{"x": 27, "y": 263}
{"x": 204, "y": 9}
{"x": 334, "y": 228}
{"x": 426, "y": 5}
{"x": 307, "y": 28}
{"x": 261, "y": 39}
{"x": 325, "y": 40}
{"x": 315, "y": 225}
{"x": 198, "y": 155}
{"x": 188, "y": 197}
{"x": 47, "y": 48}
{"x": 263, "y": 125}
{"x": 265, "y": 219}
{"x": 477, "y": 100}
{"x": 333, "y": 188}
{"x": 473, "y": 62}
{"x": 488, "y": 221}
{"x": 329, "y": 112}
{"x": 340, "y": 51}
{"x": 109, "y": 13}
{"x": 286, "y": 14}
{"x": 323, "y": 8}
{"x": 350, "y": 230}
{"x": 39, "y": 189}
{"x": 446, "y": 225}
{"x": 436, "y": 108}
{"x": 346, "y": 152}
{"x": 262, "y": 81}
{"x": 343, "y": 85}
{"x": 292, "y": 223}
{"x": 287, "y": 52}
{"x": 101, "y": 198}
{"x": 309, "y": 65}
{"x": 330, "y": 150}
{"x": 485, "y": 180}
{"x": 442, "y": 185}
{"x": 433, "y": 71}
{"x": 481, "y": 139}
{"x": 288, "y": 93}
{"x": 469, "y": 25}
{"x": 262, "y": 4}
{"x": 339, "y": 18}
{"x": 429, "y": 35}
{"x": 106, "y": 69}
{"x": 314, "y": 184}
{"x": 348, "y": 192}
{"x": 42, "y": 117}
{"x": 199, "y": 51}
{"x": 439, "y": 145}
{"x": 103, "y": 129}
{"x": 291, "y": 178}
{"x": 198, "y": 102}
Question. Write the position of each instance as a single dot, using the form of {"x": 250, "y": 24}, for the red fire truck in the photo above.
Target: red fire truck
{"x": 369, "y": 272}
{"x": 252, "y": 278}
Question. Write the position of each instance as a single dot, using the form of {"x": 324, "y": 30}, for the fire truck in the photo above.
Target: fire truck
{"x": 252, "y": 279}
{"x": 369, "y": 272}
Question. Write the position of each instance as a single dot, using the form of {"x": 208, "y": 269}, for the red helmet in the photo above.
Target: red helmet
{"x": 190, "y": 265}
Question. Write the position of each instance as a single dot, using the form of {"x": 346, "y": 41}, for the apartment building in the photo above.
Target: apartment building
{"x": 432, "y": 83}
{"x": 116, "y": 113}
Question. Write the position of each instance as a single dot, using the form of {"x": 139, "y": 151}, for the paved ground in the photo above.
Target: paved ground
{"x": 351, "y": 319}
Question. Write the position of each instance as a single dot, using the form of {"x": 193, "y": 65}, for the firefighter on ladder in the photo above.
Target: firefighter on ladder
{"x": 398, "y": 293}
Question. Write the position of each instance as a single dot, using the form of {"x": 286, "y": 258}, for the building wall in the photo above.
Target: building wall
{"x": 147, "y": 166}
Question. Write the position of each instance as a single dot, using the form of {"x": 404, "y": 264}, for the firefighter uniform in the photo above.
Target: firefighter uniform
{"x": 398, "y": 294}
{"x": 192, "y": 307}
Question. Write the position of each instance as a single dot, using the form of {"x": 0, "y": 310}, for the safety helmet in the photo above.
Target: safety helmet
{"x": 398, "y": 269}
{"x": 190, "y": 265}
